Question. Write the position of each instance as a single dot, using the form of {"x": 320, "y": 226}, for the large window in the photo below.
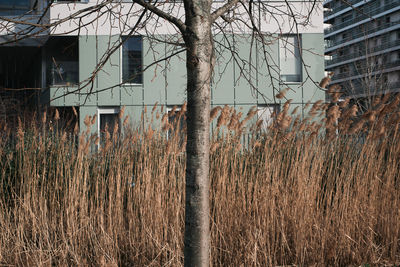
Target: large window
{"x": 72, "y": 1}
{"x": 132, "y": 60}
{"x": 290, "y": 58}
{"x": 14, "y": 7}
{"x": 63, "y": 60}
{"x": 19, "y": 4}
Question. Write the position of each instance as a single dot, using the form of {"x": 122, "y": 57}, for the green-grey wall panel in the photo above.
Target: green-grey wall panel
{"x": 71, "y": 99}
{"x": 244, "y": 74}
{"x": 131, "y": 95}
{"x": 57, "y": 96}
{"x": 244, "y": 109}
{"x": 150, "y": 116}
{"x": 134, "y": 113}
{"x": 297, "y": 112}
{"x": 176, "y": 77}
{"x": 87, "y": 64}
{"x": 154, "y": 77}
{"x": 313, "y": 56}
{"x": 293, "y": 92}
{"x": 109, "y": 75}
{"x": 268, "y": 69}
{"x": 87, "y": 111}
{"x": 223, "y": 80}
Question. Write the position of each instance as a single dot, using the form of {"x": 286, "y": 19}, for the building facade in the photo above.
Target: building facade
{"x": 88, "y": 58}
{"x": 363, "y": 46}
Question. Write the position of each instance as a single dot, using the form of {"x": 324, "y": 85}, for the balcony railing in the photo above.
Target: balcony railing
{"x": 340, "y": 6}
{"x": 394, "y": 85}
{"x": 363, "y": 53}
{"x": 363, "y": 16}
{"x": 356, "y": 34}
{"x": 371, "y": 87}
{"x": 363, "y": 69}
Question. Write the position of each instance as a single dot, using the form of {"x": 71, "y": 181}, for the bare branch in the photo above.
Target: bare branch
{"x": 177, "y": 22}
{"x": 223, "y": 9}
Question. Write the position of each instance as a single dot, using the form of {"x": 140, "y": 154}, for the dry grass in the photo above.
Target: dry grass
{"x": 288, "y": 197}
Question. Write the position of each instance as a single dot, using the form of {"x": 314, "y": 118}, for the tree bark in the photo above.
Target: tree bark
{"x": 199, "y": 64}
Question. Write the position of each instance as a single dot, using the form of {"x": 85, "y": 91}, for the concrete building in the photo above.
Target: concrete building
{"x": 363, "y": 46}
{"x": 81, "y": 63}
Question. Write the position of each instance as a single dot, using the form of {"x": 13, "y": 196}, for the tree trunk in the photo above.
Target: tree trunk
{"x": 199, "y": 58}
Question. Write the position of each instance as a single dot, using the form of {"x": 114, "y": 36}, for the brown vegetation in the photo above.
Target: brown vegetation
{"x": 325, "y": 192}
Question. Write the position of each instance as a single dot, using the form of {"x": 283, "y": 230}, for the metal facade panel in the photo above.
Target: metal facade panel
{"x": 267, "y": 73}
{"x": 57, "y": 97}
{"x": 223, "y": 79}
{"x": 176, "y": 77}
{"x": 131, "y": 95}
{"x": 89, "y": 111}
{"x": 244, "y": 70}
{"x": 109, "y": 75}
{"x": 87, "y": 64}
{"x": 154, "y": 77}
{"x": 313, "y": 57}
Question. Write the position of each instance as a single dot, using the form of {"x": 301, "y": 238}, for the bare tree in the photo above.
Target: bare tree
{"x": 197, "y": 22}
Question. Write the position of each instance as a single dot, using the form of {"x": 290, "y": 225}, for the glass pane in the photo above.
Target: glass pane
{"x": 290, "y": 61}
{"x": 63, "y": 61}
{"x": 21, "y": 3}
{"x": 132, "y": 60}
{"x": 291, "y": 78}
{"x": 65, "y": 73}
{"x": 10, "y": 4}
{"x": 107, "y": 124}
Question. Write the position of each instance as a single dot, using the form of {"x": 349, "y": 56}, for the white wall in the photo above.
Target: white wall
{"x": 118, "y": 18}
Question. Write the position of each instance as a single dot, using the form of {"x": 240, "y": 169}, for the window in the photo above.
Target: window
{"x": 14, "y": 7}
{"x": 344, "y": 69}
{"x": 132, "y": 60}
{"x": 18, "y": 4}
{"x": 290, "y": 59}
{"x": 267, "y": 113}
{"x": 108, "y": 120}
{"x": 347, "y": 17}
{"x": 63, "y": 61}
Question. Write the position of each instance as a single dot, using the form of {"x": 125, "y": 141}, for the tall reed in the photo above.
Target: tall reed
{"x": 307, "y": 192}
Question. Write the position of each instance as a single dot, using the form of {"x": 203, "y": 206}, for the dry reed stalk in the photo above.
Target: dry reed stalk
{"x": 282, "y": 93}
{"x": 291, "y": 198}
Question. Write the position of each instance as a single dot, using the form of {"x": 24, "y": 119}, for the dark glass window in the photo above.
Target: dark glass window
{"x": 71, "y": 1}
{"x": 132, "y": 60}
{"x": 14, "y": 3}
{"x": 63, "y": 60}
{"x": 108, "y": 122}
{"x": 14, "y": 7}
